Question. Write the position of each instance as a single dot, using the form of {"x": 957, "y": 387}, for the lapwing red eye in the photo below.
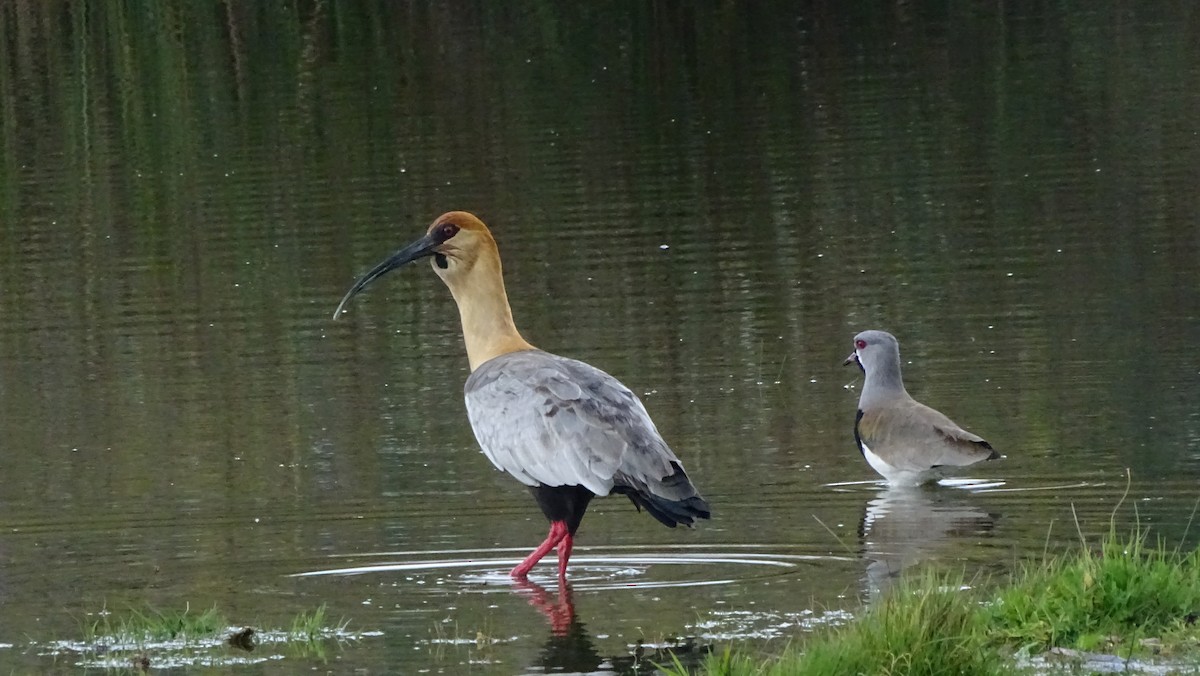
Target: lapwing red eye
{"x": 860, "y": 344}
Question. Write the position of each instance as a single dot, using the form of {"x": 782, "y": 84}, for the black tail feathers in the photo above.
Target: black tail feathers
{"x": 669, "y": 511}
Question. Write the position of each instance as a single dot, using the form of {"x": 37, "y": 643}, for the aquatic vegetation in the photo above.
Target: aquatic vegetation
{"x": 147, "y": 638}
{"x": 314, "y": 626}
{"x": 153, "y": 625}
{"x": 1126, "y": 595}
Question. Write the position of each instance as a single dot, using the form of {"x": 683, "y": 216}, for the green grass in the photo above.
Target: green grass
{"x": 1124, "y": 590}
{"x": 1126, "y": 595}
{"x": 924, "y": 626}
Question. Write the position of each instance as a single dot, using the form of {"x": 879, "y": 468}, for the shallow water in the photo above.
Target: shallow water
{"x": 706, "y": 203}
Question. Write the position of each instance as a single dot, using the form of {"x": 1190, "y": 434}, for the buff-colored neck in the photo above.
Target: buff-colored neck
{"x": 487, "y": 323}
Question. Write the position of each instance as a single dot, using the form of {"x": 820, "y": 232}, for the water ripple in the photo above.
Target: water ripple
{"x": 592, "y": 569}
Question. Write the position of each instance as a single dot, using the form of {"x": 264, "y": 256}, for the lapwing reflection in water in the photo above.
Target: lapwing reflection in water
{"x": 902, "y": 526}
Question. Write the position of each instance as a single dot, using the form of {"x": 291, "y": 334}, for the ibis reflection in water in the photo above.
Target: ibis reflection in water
{"x": 565, "y": 429}
{"x": 570, "y": 649}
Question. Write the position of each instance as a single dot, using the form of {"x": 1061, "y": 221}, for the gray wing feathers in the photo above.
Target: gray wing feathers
{"x": 556, "y": 421}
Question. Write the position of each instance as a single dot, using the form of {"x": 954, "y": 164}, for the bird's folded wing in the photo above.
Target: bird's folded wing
{"x": 910, "y": 435}
{"x": 556, "y": 421}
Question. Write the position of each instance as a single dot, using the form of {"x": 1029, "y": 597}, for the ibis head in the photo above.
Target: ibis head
{"x": 465, "y": 256}
{"x": 456, "y": 241}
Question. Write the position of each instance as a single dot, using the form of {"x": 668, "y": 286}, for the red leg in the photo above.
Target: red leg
{"x": 564, "y": 553}
{"x": 558, "y": 531}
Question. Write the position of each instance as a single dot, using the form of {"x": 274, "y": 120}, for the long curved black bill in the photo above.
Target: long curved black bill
{"x": 419, "y": 249}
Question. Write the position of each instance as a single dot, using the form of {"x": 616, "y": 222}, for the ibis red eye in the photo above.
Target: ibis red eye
{"x": 860, "y": 344}
{"x": 445, "y": 231}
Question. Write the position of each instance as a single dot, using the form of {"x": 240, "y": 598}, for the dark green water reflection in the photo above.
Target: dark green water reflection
{"x": 708, "y": 202}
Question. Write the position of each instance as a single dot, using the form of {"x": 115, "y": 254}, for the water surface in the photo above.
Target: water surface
{"x": 707, "y": 203}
